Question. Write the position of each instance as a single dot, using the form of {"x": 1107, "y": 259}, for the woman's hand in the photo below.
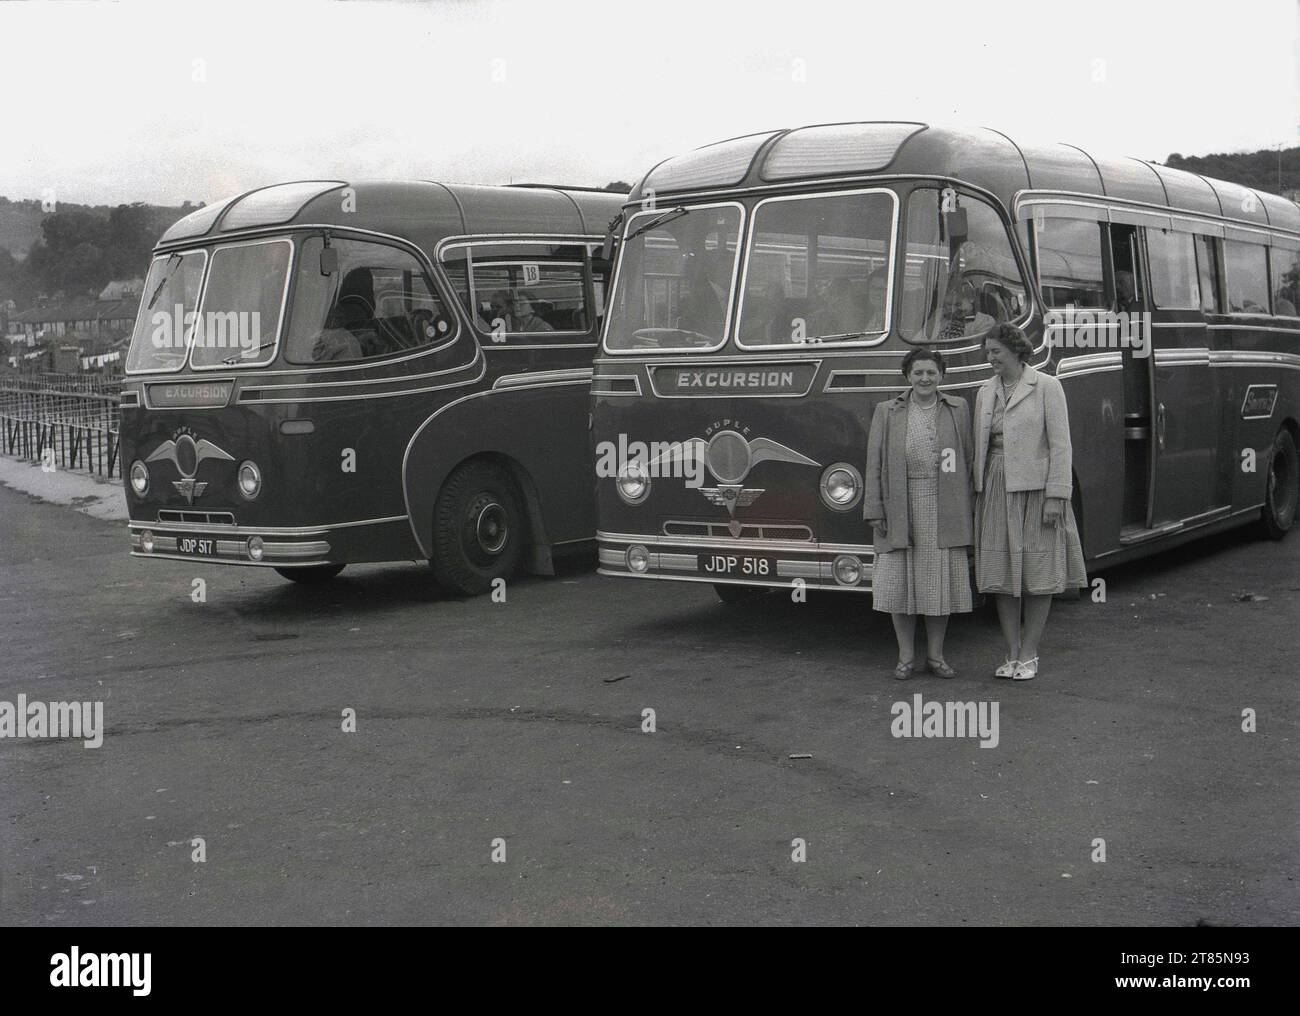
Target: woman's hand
{"x": 879, "y": 526}
{"x": 1053, "y": 511}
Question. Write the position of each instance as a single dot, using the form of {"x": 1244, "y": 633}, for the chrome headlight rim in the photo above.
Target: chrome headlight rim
{"x": 633, "y": 472}
{"x": 252, "y": 467}
{"x": 637, "y": 559}
{"x": 139, "y": 491}
{"x": 850, "y": 562}
{"x": 855, "y": 477}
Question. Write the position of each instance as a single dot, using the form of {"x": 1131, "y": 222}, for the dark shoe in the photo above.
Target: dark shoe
{"x": 903, "y": 672}
{"x": 940, "y": 668}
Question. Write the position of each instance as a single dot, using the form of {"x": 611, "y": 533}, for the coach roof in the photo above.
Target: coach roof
{"x": 422, "y": 211}
{"x": 983, "y": 157}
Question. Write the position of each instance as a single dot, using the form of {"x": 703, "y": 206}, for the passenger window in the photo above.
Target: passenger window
{"x": 1286, "y": 281}
{"x": 954, "y": 291}
{"x": 1069, "y": 262}
{"x": 1246, "y": 267}
{"x": 1174, "y": 281}
{"x": 1207, "y": 270}
{"x": 377, "y": 302}
{"x": 515, "y": 289}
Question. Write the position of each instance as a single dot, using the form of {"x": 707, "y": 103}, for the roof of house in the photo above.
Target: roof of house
{"x": 79, "y": 309}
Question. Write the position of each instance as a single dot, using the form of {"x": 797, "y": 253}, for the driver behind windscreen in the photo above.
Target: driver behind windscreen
{"x": 704, "y": 310}
{"x": 349, "y": 332}
{"x": 960, "y": 318}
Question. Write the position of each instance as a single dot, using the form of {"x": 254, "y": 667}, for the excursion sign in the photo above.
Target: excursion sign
{"x": 754, "y": 379}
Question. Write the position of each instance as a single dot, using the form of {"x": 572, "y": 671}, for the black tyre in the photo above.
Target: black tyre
{"x": 478, "y": 529}
{"x": 739, "y": 594}
{"x": 311, "y": 574}
{"x": 1283, "y": 492}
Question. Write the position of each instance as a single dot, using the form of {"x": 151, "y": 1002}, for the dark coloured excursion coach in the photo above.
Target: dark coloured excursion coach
{"x": 768, "y": 287}
{"x": 324, "y": 373}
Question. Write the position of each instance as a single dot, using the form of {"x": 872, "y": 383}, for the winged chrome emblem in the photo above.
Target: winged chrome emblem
{"x": 729, "y": 456}
{"x": 187, "y": 455}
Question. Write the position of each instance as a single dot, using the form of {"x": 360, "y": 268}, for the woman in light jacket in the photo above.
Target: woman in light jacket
{"x": 1026, "y": 541}
{"x": 918, "y": 499}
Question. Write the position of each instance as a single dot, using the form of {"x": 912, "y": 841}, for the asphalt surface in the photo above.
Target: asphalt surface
{"x": 523, "y": 721}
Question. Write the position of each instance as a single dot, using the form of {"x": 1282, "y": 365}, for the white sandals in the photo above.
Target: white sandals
{"x": 1026, "y": 670}
{"x": 1007, "y": 669}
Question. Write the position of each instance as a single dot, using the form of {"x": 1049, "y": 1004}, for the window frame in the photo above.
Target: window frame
{"x": 1227, "y": 279}
{"x": 396, "y": 355}
{"x": 659, "y": 209}
{"x": 1274, "y": 286}
{"x": 290, "y": 270}
{"x": 203, "y": 280}
{"x": 747, "y": 252}
{"x": 1107, "y": 282}
{"x": 591, "y": 333}
{"x": 1018, "y": 256}
{"x": 1197, "y": 304}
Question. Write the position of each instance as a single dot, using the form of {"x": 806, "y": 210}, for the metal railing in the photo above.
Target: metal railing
{"x": 64, "y": 420}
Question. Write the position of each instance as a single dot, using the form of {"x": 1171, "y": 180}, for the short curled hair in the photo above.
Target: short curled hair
{"x": 1011, "y": 337}
{"x": 924, "y": 353}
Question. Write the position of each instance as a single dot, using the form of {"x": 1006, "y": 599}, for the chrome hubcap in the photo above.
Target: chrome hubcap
{"x": 491, "y": 529}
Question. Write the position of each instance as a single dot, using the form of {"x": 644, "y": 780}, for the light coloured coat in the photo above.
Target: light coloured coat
{"x": 1035, "y": 435}
{"x": 886, "y": 475}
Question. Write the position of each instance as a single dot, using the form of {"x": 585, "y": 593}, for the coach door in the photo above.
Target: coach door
{"x": 1184, "y": 408}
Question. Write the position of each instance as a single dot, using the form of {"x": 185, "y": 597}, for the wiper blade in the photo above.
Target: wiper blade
{"x": 165, "y": 279}
{"x": 657, "y": 221}
{"x": 248, "y": 352}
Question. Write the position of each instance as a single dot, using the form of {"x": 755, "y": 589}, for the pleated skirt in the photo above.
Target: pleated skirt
{"x": 923, "y": 578}
{"x": 1015, "y": 553}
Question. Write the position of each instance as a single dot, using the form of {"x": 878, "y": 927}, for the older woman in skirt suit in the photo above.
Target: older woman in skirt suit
{"x": 1026, "y": 541}
{"x": 918, "y": 499}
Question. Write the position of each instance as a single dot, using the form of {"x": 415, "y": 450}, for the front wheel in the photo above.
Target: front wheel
{"x": 478, "y": 529}
{"x": 1283, "y": 493}
{"x": 311, "y": 574}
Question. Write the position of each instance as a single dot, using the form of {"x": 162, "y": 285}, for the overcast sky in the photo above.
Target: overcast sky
{"x": 114, "y": 102}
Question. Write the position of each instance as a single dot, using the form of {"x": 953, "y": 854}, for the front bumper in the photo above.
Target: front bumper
{"x": 281, "y": 548}
{"x": 677, "y": 558}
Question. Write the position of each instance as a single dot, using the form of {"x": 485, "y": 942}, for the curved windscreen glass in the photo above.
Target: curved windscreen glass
{"x": 817, "y": 270}
{"x": 675, "y": 279}
{"x": 162, "y": 328}
{"x": 239, "y": 317}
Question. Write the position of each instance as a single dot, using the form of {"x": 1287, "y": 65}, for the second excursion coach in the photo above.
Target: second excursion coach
{"x": 768, "y": 287}
{"x": 324, "y": 373}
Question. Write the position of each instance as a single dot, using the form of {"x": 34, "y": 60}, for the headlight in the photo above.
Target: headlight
{"x": 250, "y": 480}
{"x": 255, "y": 548}
{"x": 638, "y": 558}
{"x": 841, "y": 486}
{"x": 146, "y": 542}
{"x": 633, "y": 485}
{"x": 847, "y": 569}
{"x": 139, "y": 478}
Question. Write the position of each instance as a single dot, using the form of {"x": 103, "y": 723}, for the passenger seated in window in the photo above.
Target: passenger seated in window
{"x": 502, "y": 315}
{"x": 350, "y": 332}
{"x": 1285, "y": 303}
{"x": 526, "y": 319}
{"x": 960, "y": 318}
{"x": 842, "y": 310}
{"x": 1126, "y": 292}
{"x": 704, "y": 310}
{"x": 876, "y": 285}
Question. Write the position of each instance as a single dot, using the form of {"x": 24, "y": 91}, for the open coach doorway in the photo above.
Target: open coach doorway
{"x": 324, "y": 374}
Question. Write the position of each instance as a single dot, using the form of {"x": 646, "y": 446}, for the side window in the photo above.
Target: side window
{"x": 1246, "y": 267}
{"x": 377, "y": 302}
{"x": 1207, "y": 270}
{"x": 1174, "y": 281}
{"x": 522, "y": 289}
{"x": 1070, "y": 263}
{"x": 954, "y": 290}
{"x": 1286, "y": 281}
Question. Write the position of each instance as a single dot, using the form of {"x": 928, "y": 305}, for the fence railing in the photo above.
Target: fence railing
{"x": 65, "y": 421}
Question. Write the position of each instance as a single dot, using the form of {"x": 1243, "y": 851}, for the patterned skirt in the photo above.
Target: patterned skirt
{"x": 1015, "y": 553}
{"x": 923, "y": 578}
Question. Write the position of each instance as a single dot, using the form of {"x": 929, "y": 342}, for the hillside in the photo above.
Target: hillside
{"x": 1258, "y": 170}
{"x": 20, "y": 221}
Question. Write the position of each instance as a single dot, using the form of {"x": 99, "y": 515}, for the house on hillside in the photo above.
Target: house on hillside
{"x": 122, "y": 289}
